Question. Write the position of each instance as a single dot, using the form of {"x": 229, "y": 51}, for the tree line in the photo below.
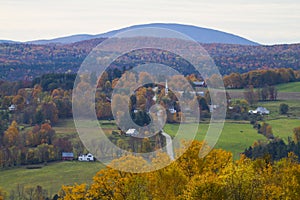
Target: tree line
{"x": 275, "y": 148}
{"x": 261, "y": 78}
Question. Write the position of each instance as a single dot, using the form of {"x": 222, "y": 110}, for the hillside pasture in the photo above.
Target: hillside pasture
{"x": 235, "y": 137}
{"x": 289, "y": 87}
{"x": 50, "y": 177}
{"x": 283, "y": 128}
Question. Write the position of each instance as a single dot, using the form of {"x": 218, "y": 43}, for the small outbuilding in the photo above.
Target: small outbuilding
{"x": 172, "y": 110}
{"x": 199, "y": 84}
{"x": 12, "y": 107}
{"x": 67, "y": 156}
{"x": 132, "y": 132}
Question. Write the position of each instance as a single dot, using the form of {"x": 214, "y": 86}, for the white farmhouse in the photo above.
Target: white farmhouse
{"x": 259, "y": 110}
{"x": 89, "y": 157}
{"x": 12, "y": 107}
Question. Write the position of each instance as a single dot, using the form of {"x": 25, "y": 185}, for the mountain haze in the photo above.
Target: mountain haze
{"x": 8, "y": 41}
{"x": 202, "y": 35}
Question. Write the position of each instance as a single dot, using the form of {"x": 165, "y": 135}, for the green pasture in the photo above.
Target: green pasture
{"x": 50, "y": 177}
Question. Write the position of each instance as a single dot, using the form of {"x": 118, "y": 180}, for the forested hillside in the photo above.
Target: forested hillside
{"x": 27, "y": 61}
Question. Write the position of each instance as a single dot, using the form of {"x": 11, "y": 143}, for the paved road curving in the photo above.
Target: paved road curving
{"x": 169, "y": 145}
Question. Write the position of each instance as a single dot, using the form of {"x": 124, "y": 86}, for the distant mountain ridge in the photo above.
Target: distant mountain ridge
{"x": 8, "y": 41}
{"x": 202, "y": 35}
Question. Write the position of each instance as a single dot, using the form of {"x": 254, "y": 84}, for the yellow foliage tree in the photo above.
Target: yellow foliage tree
{"x": 215, "y": 176}
{"x": 11, "y": 136}
{"x": 110, "y": 183}
{"x": 77, "y": 192}
{"x": 206, "y": 185}
{"x": 167, "y": 183}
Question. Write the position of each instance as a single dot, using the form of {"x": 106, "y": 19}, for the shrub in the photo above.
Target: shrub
{"x": 283, "y": 108}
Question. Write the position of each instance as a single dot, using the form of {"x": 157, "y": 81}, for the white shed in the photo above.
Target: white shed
{"x": 12, "y": 107}
{"x": 132, "y": 132}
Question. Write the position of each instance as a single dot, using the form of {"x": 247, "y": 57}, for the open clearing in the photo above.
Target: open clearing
{"x": 235, "y": 137}
{"x": 50, "y": 177}
{"x": 283, "y": 128}
{"x": 289, "y": 87}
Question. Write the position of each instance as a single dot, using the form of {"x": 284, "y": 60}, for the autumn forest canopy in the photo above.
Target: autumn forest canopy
{"x": 216, "y": 176}
{"x": 27, "y": 61}
{"x": 37, "y": 87}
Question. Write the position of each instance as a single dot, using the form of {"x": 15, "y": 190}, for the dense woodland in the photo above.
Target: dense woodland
{"x": 27, "y": 61}
{"x": 261, "y": 78}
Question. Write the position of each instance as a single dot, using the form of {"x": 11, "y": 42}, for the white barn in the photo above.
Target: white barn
{"x": 132, "y": 132}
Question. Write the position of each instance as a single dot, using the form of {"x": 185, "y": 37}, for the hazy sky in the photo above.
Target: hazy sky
{"x": 263, "y": 21}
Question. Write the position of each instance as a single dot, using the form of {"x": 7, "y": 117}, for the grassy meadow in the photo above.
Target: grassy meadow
{"x": 50, "y": 177}
{"x": 283, "y": 128}
{"x": 235, "y": 137}
{"x": 289, "y": 87}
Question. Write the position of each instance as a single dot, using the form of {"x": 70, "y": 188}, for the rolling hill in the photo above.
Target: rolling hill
{"x": 231, "y": 53}
{"x": 8, "y": 41}
{"x": 19, "y": 61}
{"x": 202, "y": 35}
